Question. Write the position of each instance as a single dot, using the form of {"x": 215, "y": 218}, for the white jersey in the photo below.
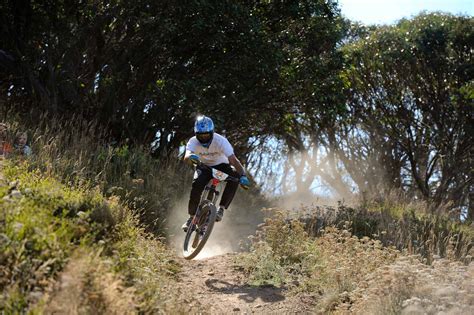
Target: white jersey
{"x": 217, "y": 153}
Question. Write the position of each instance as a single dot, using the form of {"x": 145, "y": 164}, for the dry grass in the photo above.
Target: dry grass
{"x": 408, "y": 286}
{"x": 88, "y": 286}
{"x": 409, "y": 227}
{"x": 330, "y": 266}
{"x": 347, "y": 274}
{"x": 147, "y": 266}
{"x": 78, "y": 152}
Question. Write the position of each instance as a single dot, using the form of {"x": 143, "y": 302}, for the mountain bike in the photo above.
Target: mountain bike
{"x": 203, "y": 221}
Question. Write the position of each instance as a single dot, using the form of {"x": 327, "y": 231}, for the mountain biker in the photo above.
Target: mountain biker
{"x": 211, "y": 149}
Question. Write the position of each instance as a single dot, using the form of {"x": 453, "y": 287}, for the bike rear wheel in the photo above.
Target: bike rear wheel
{"x": 195, "y": 240}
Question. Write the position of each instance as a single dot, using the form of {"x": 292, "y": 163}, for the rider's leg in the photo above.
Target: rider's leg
{"x": 201, "y": 178}
{"x": 230, "y": 187}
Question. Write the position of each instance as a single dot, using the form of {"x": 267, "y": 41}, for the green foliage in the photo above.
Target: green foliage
{"x": 280, "y": 252}
{"x": 44, "y": 223}
{"x": 403, "y": 86}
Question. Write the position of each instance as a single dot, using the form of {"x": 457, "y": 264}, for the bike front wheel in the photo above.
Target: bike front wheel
{"x": 197, "y": 235}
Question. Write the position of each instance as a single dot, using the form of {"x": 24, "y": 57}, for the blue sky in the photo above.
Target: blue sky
{"x": 389, "y": 11}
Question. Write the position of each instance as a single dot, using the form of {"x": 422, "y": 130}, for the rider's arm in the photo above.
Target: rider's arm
{"x": 186, "y": 156}
{"x": 190, "y": 149}
{"x": 234, "y": 161}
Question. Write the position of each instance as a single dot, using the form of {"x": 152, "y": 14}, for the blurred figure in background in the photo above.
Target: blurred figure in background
{"x": 20, "y": 145}
{"x": 5, "y": 146}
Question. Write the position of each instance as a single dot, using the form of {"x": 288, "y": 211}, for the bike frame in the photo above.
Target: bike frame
{"x": 218, "y": 177}
{"x": 212, "y": 192}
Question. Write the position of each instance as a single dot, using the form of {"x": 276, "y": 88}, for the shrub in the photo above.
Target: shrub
{"x": 45, "y": 224}
{"x": 329, "y": 267}
{"x": 277, "y": 252}
{"x": 408, "y": 227}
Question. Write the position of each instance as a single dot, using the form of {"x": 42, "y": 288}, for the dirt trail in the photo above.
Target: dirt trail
{"x": 221, "y": 289}
{"x": 446, "y": 287}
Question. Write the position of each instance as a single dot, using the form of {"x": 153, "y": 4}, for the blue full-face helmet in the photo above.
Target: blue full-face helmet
{"x": 204, "y": 130}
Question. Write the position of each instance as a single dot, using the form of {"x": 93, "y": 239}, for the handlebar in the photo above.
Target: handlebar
{"x": 229, "y": 177}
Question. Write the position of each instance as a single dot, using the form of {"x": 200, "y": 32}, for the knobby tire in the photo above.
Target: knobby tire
{"x": 188, "y": 251}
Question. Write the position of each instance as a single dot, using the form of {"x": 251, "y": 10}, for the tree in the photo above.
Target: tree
{"x": 141, "y": 69}
{"x": 144, "y": 69}
{"x": 409, "y": 92}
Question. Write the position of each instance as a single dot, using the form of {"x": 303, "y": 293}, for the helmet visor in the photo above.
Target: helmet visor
{"x": 204, "y": 137}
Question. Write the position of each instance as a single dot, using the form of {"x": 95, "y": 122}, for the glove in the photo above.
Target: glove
{"x": 244, "y": 181}
{"x": 194, "y": 159}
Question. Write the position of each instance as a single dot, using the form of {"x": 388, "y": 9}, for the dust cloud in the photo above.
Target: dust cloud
{"x": 312, "y": 178}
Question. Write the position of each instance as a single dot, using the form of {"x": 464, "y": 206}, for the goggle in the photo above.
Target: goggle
{"x": 204, "y": 137}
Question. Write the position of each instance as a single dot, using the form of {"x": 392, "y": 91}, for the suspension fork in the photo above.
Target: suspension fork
{"x": 213, "y": 193}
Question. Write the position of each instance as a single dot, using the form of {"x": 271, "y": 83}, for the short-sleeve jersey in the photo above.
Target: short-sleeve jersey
{"x": 217, "y": 153}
